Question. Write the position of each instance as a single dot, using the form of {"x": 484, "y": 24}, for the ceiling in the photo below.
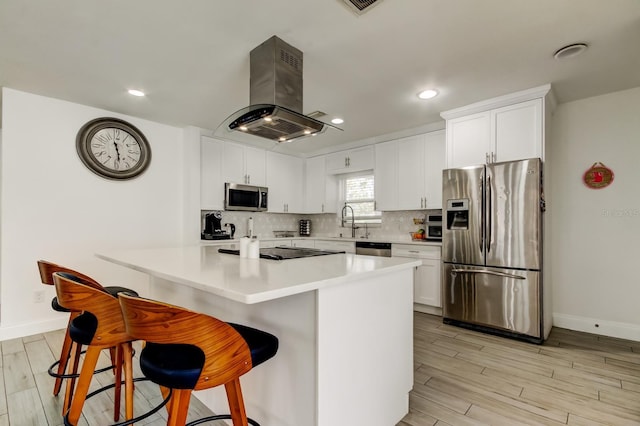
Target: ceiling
{"x": 192, "y": 58}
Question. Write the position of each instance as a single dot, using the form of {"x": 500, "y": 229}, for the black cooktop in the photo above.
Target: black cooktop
{"x": 283, "y": 252}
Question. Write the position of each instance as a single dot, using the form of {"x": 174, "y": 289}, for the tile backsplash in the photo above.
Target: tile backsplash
{"x": 395, "y": 226}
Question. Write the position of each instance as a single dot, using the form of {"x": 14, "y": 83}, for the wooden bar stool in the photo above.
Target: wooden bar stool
{"x": 47, "y": 269}
{"x": 188, "y": 351}
{"x": 99, "y": 326}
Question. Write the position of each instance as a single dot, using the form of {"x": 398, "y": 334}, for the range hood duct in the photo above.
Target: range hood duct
{"x": 275, "y": 97}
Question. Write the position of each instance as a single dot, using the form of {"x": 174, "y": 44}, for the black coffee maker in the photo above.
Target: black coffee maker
{"x": 213, "y": 227}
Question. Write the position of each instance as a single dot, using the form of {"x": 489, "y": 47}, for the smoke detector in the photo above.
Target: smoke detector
{"x": 361, "y": 6}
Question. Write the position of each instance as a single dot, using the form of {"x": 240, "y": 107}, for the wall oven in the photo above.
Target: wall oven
{"x": 433, "y": 227}
{"x": 245, "y": 197}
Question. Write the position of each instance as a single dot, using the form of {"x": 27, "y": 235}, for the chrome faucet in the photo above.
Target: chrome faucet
{"x": 353, "y": 222}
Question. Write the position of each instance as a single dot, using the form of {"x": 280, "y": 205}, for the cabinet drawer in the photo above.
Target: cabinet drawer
{"x": 415, "y": 251}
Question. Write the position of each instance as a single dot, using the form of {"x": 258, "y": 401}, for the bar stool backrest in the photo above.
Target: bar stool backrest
{"x": 47, "y": 269}
{"x": 78, "y": 295}
{"x": 227, "y": 354}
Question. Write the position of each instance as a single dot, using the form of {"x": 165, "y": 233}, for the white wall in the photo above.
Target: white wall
{"x": 54, "y": 208}
{"x": 595, "y": 248}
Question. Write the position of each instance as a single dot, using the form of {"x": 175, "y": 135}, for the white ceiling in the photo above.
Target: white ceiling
{"x": 192, "y": 58}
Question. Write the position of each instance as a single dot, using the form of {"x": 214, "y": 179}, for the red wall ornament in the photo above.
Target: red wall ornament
{"x": 598, "y": 176}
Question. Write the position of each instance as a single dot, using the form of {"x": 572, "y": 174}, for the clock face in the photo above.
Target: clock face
{"x": 113, "y": 148}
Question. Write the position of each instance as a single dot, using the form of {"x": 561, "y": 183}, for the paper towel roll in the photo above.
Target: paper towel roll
{"x": 254, "y": 248}
{"x": 244, "y": 246}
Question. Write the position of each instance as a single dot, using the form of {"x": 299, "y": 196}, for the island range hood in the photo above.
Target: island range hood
{"x": 275, "y": 110}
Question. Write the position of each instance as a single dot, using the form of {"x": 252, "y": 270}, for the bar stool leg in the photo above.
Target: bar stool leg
{"x": 76, "y": 350}
{"x": 236, "y": 403}
{"x": 117, "y": 352}
{"x": 80, "y": 393}
{"x": 179, "y": 407}
{"x": 64, "y": 356}
{"x": 128, "y": 379}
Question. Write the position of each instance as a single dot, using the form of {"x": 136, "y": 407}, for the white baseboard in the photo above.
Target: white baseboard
{"x": 22, "y": 330}
{"x": 620, "y": 330}
{"x": 426, "y": 309}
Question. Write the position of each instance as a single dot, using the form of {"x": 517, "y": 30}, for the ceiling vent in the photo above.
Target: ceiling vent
{"x": 361, "y": 6}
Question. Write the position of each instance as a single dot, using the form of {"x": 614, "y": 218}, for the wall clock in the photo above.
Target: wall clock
{"x": 113, "y": 148}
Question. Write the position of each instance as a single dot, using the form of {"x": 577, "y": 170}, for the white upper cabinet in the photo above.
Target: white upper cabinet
{"x": 353, "y": 160}
{"x": 285, "y": 183}
{"x": 434, "y": 163}
{"x": 211, "y": 182}
{"x": 244, "y": 164}
{"x": 320, "y": 189}
{"x": 510, "y": 127}
{"x": 408, "y": 172}
{"x": 386, "y": 176}
{"x": 468, "y": 140}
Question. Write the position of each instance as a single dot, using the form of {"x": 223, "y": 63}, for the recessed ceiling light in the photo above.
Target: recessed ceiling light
{"x": 136, "y": 92}
{"x": 428, "y": 94}
{"x": 570, "y": 50}
{"x": 337, "y": 121}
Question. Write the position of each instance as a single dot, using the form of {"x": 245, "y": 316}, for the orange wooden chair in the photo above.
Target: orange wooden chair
{"x": 188, "y": 351}
{"x": 98, "y": 326}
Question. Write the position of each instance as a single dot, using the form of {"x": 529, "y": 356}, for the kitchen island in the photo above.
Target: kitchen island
{"x": 344, "y": 322}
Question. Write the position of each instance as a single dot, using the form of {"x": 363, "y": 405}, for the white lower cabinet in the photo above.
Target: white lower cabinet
{"x": 427, "y": 277}
{"x": 303, "y": 243}
{"x": 346, "y": 246}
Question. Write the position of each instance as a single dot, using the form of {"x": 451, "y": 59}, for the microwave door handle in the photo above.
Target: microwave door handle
{"x": 488, "y": 272}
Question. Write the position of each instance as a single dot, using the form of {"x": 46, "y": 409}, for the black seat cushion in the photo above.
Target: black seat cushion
{"x": 114, "y": 290}
{"x": 83, "y": 328}
{"x": 176, "y": 366}
{"x": 261, "y": 344}
{"x": 57, "y": 307}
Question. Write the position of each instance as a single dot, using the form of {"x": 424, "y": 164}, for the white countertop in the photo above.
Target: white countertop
{"x": 252, "y": 280}
{"x": 348, "y": 239}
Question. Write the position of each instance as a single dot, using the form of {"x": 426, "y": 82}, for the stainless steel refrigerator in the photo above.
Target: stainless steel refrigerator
{"x": 492, "y": 248}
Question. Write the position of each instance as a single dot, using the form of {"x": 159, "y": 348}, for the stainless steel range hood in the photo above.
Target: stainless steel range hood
{"x": 275, "y": 110}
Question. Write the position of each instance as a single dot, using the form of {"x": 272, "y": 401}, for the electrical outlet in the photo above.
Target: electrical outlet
{"x": 38, "y": 296}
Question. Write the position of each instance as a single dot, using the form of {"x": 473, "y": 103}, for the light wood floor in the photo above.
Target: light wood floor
{"x": 468, "y": 378}
{"x": 461, "y": 378}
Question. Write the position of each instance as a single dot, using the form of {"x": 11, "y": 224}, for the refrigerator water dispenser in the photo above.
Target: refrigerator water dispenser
{"x": 458, "y": 214}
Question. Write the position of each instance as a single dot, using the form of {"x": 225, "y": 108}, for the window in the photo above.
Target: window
{"x": 358, "y": 193}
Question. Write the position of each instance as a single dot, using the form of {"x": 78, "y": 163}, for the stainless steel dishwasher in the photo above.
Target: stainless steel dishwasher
{"x": 369, "y": 248}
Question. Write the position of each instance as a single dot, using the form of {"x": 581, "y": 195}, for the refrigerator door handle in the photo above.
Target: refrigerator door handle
{"x": 489, "y": 214}
{"x": 487, "y": 271}
{"x": 481, "y": 216}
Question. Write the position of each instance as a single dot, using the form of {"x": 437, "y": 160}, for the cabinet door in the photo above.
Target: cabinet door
{"x": 284, "y": 180}
{"x": 468, "y": 140}
{"x": 361, "y": 159}
{"x": 211, "y": 182}
{"x": 354, "y": 160}
{"x": 337, "y": 162}
{"x": 314, "y": 185}
{"x": 255, "y": 166}
{"x": 346, "y": 246}
{"x": 386, "y": 176}
{"x": 517, "y": 131}
{"x": 303, "y": 243}
{"x": 427, "y": 288}
{"x": 233, "y": 163}
{"x": 434, "y": 163}
{"x": 411, "y": 169}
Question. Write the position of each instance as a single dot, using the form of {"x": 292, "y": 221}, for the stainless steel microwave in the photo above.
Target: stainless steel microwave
{"x": 245, "y": 197}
